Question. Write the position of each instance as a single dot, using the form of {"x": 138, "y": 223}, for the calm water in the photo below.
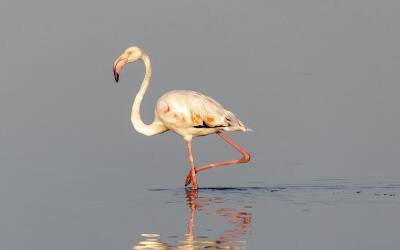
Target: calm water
{"x": 59, "y": 213}
{"x": 317, "y": 81}
{"x": 284, "y": 217}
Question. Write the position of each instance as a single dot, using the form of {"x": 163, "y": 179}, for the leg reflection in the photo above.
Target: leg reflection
{"x": 238, "y": 225}
{"x": 240, "y": 220}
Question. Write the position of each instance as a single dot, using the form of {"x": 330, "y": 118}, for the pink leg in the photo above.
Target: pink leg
{"x": 244, "y": 159}
{"x": 192, "y": 172}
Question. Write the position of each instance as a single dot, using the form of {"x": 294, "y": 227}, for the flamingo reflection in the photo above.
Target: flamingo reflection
{"x": 230, "y": 239}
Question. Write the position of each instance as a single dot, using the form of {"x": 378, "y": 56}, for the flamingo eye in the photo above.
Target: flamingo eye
{"x": 129, "y": 52}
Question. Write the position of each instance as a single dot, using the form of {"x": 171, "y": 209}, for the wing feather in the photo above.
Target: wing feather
{"x": 183, "y": 108}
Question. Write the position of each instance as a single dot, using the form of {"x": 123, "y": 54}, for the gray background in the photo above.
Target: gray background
{"x": 317, "y": 81}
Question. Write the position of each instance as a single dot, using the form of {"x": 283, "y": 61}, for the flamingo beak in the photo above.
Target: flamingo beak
{"x": 119, "y": 64}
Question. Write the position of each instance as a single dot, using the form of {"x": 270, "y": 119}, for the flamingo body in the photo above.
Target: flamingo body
{"x": 192, "y": 114}
{"x": 185, "y": 112}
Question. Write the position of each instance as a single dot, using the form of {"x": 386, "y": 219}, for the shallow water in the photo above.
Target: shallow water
{"x": 288, "y": 216}
{"x": 323, "y": 213}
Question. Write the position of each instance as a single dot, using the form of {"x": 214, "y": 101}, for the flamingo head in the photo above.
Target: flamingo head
{"x": 131, "y": 54}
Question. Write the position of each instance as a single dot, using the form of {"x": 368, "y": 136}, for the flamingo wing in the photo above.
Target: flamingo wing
{"x": 191, "y": 113}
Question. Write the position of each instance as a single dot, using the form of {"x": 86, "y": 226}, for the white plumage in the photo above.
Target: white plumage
{"x": 192, "y": 114}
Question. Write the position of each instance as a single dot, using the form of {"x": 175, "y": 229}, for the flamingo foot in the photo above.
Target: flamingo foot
{"x": 191, "y": 179}
{"x": 188, "y": 179}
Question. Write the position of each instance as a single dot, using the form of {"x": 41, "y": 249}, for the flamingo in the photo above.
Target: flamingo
{"x": 187, "y": 113}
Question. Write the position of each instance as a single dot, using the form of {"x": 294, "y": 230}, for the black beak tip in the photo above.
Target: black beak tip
{"x": 116, "y": 76}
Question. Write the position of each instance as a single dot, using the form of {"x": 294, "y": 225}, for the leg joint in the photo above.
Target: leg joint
{"x": 246, "y": 157}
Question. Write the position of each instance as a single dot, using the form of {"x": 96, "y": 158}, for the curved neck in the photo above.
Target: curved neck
{"x": 156, "y": 127}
